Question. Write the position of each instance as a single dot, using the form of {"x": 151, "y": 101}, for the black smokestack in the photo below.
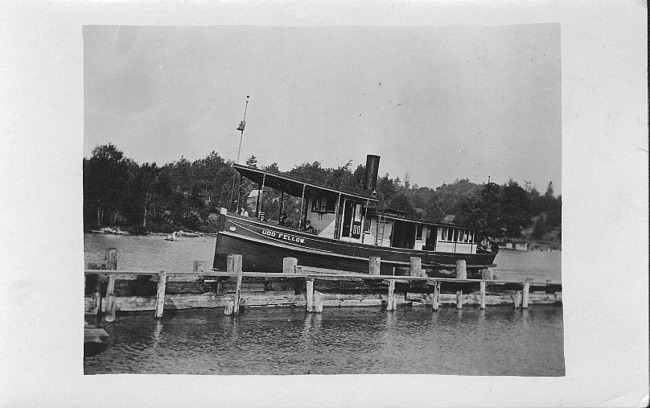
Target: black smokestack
{"x": 372, "y": 169}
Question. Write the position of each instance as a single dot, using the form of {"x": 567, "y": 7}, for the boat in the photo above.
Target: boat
{"x": 188, "y": 234}
{"x": 110, "y": 230}
{"x": 180, "y": 233}
{"x": 346, "y": 229}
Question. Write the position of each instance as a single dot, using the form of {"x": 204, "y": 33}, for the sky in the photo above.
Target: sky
{"x": 436, "y": 103}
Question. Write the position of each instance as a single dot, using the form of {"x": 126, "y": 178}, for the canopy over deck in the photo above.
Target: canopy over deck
{"x": 293, "y": 186}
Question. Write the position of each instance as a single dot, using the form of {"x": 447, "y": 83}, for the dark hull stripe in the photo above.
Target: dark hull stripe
{"x": 263, "y": 246}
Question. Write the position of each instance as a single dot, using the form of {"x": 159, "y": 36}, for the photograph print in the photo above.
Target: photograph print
{"x": 270, "y": 200}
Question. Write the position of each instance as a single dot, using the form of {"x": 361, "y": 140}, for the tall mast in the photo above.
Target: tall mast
{"x": 241, "y": 127}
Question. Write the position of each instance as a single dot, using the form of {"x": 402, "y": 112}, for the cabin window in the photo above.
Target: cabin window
{"x": 324, "y": 204}
{"x": 450, "y": 234}
{"x": 330, "y": 204}
{"x": 418, "y": 232}
{"x": 429, "y": 244}
{"x": 356, "y": 224}
{"x": 366, "y": 226}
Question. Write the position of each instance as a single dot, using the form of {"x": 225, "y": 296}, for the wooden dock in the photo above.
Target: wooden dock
{"x": 300, "y": 286}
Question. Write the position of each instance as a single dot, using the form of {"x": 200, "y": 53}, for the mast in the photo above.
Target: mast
{"x": 241, "y": 127}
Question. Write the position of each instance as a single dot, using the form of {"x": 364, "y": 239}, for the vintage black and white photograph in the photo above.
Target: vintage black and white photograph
{"x": 324, "y": 204}
{"x": 323, "y": 200}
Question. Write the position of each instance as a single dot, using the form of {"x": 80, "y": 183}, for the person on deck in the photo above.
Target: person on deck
{"x": 283, "y": 219}
{"x": 483, "y": 245}
{"x": 308, "y": 228}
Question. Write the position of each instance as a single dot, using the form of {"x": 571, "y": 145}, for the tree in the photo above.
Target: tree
{"x": 539, "y": 229}
{"x": 482, "y": 211}
{"x": 386, "y": 189}
{"x": 106, "y": 182}
{"x": 433, "y": 210}
{"x": 401, "y": 202}
{"x": 451, "y": 196}
{"x": 554, "y": 217}
{"x": 515, "y": 209}
{"x": 142, "y": 191}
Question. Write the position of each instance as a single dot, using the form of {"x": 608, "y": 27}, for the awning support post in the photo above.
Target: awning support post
{"x": 337, "y": 222}
{"x": 302, "y": 199}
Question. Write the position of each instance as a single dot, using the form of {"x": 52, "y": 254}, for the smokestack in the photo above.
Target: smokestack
{"x": 372, "y": 169}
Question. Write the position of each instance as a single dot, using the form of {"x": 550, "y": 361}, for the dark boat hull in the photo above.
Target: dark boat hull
{"x": 263, "y": 246}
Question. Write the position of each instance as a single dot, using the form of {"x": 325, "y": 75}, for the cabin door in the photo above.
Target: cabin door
{"x": 404, "y": 235}
{"x": 352, "y": 214}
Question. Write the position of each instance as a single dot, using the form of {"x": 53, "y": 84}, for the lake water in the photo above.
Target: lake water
{"x": 413, "y": 340}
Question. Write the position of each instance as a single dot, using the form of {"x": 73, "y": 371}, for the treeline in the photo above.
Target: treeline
{"x": 188, "y": 195}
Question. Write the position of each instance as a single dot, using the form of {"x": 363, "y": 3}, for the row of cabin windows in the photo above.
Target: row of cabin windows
{"x": 457, "y": 235}
{"x": 445, "y": 234}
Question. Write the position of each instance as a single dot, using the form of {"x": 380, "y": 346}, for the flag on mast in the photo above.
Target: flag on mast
{"x": 241, "y": 126}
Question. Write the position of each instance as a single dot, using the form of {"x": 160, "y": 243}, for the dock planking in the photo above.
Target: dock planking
{"x": 235, "y": 288}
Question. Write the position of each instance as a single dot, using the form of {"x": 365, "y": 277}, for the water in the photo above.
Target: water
{"x": 151, "y": 252}
{"x": 413, "y": 340}
{"x": 154, "y": 253}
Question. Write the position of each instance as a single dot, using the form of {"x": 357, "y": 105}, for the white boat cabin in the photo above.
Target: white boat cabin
{"x": 354, "y": 218}
{"x": 365, "y": 225}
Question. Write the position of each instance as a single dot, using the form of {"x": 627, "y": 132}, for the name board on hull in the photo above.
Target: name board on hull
{"x": 283, "y": 236}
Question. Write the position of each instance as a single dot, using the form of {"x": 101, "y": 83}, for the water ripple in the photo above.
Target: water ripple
{"x": 496, "y": 341}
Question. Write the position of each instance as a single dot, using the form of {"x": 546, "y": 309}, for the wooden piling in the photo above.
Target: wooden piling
{"x": 482, "y": 304}
{"x": 97, "y": 299}
{"x": 416, "y": 266}
{"x": 109, "y": 315}
{"x": 459, "y": 299}
{"x": 524, "y": 304}
{"x": 111, "y": 259}
{"x": 374, "y": 265}
{"x": 229, "y": 307}
{"x": 310, "y": 295}
{"x": 461, "y": 269}
{"x": 97, "y": 295}
{"x": 234, "y": 263}
{"x": 318, "y": 302}
{"x": 391, "y": 304}
{"x": 516, "y": 299}
{"x": 436, "y": 296}
{"x": 289, "y": 265}
{"x": 160, "y": 294}
{"x": 111, "y": 264}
